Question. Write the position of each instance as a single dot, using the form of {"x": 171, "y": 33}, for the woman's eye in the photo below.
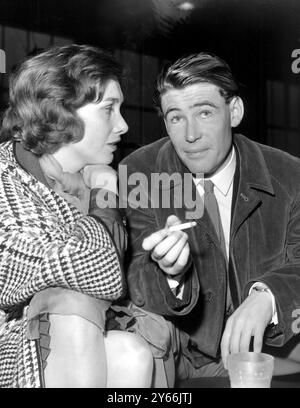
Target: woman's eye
{"x": 108, "y": 109}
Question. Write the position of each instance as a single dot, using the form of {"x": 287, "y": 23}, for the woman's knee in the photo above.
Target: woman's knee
{"x": 132, "y": 349}
{"x": 74, "y": 331}
{"x": 129, "y": 360}
{"x": 136, "y": 347}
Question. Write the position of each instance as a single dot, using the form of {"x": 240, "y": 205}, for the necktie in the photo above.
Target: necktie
{"x": 212, "y": 207}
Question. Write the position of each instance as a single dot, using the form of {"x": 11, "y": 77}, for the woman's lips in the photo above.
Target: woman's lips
{"x": 114, "y": 144}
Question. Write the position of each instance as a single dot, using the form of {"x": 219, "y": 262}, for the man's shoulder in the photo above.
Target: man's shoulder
{"x": 272, "y": 155}
{"x": 279, "y": 160}
{"x": 145, "y": 156}
{"x": 280, "y": 165}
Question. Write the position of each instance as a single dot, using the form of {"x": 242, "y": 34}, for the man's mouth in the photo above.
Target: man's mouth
{"x": 196, "y": 151}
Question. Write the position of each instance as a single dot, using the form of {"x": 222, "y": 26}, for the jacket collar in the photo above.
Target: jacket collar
{"x": 254, "y": 172}
{"x": 29, "y": 162}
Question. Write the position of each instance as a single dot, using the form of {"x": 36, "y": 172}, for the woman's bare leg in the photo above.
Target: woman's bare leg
{"x": 129, "y": 360}
{"x": 81, "y": 357}
{"x": 77, "y": 357}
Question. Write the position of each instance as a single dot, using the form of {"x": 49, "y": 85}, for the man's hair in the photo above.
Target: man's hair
{"x": 194, "y": 69}
{"x": 47, "y": 89}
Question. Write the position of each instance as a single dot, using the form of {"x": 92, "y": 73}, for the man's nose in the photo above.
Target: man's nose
{"x": 193, "y": 132}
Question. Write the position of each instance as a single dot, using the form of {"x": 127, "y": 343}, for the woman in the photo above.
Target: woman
{"x": 60, "y": 266}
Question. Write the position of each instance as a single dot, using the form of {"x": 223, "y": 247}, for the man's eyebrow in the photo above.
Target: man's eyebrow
{"x": 203, "y": 103}
{"x": 195, "y": 105}
{"x": 170, "y": 110}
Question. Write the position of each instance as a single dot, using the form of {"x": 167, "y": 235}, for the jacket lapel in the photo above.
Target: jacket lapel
{"x": 252, "y": 176}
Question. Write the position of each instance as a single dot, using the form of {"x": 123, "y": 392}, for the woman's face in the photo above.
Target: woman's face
{"x": 104, "y": 126}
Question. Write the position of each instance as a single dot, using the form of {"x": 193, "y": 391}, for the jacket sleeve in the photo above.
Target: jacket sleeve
{"x": 147, "y": 283}
{"x": 284, "y": 283}
{"x": 80, "y": 256}
{"x": 104, "y": 207}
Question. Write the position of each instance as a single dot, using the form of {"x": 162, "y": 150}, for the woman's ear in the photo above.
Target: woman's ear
{"x": 236, "y": 111}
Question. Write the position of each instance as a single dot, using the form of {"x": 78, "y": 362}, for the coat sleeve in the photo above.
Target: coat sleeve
{"x": 107, "y": 211}
{"x": 284, "y": 283}
{"x": 34, "y": 256}
{"x": 147, "y": 283}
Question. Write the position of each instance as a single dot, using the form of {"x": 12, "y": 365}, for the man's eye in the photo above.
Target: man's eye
{"x": 174, "y": 119}
{"x": 205, "y": 113}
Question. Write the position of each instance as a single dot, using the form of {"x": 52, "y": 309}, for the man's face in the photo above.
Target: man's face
{"x": 198, "y": 121}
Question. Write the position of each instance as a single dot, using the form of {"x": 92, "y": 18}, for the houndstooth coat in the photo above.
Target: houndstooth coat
{"x": 44, "y": 242}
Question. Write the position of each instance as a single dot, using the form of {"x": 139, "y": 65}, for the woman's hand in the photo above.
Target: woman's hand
{"x": 100, "y": 176}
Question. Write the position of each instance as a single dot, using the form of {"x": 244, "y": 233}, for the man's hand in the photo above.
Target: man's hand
{"x": 170, "y": 250}
{"x": 250, "y": 319}
{"x": 100, "y": 176}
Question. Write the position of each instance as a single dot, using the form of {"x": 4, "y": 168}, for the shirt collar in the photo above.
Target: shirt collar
{"x": 224, "y": 178}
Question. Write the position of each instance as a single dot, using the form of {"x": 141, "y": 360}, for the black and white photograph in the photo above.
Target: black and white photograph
{"x": 149, "y": 197}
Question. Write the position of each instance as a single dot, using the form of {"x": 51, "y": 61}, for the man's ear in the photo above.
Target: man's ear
{"x": 236, "y": 111}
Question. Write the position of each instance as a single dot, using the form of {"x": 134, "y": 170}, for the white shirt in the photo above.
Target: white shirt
{"x": 223, "y": 190}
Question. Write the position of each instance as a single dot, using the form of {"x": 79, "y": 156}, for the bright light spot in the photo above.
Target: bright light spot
{"x": 186, "y": 6}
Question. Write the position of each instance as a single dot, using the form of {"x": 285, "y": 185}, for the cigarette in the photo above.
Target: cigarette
{"x": 183, "y": 226}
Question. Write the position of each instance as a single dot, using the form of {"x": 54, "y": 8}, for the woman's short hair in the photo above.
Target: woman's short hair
{"x": 45, "y": 91}
{"x": 193, "y": 69}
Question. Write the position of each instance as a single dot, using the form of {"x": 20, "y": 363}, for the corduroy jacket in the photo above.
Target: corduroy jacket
{"x": 264, "y": 245}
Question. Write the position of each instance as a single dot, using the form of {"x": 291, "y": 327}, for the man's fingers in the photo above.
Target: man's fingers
{"x": 245, "y": 339}
{"x": 171, "y": 256}
{"x": 225, "y": 342}
{"x": 234, "y": 345}
{"x": 172, "y": 220}
{"x": 168, "y": 247}
{"x": 154, "y": 239}
{"x": 184, "y": 256}
{"x": 258, "y": 339}
{"x": 157, "y": 237}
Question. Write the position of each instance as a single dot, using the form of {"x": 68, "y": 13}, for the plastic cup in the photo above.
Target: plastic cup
{"x": 250, "y": 370}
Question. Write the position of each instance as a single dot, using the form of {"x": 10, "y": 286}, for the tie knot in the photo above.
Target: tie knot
{"x": 208, "y": 186}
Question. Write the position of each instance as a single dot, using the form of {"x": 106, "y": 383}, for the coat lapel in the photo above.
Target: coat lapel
{"x": 252, "y": 176}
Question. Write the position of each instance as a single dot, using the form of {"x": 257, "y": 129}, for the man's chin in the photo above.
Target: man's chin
{"x": 200, "y": 170}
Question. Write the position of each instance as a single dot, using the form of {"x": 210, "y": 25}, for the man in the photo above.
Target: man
{"x": 232, "y": 282}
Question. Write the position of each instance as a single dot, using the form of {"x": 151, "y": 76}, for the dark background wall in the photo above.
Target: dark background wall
{"x": 256, "y": 37}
